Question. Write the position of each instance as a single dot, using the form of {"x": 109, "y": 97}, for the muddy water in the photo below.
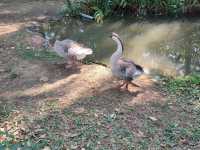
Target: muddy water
{"x": 167, "y": 47}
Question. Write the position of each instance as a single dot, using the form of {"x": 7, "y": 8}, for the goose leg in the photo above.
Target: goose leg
{"x": 124, "y": 86}
{"x": 134, "y": 84}
{"x": 120, "y": 85}
{"x": 76, "y": 62}
{"x": 70, "y": 62}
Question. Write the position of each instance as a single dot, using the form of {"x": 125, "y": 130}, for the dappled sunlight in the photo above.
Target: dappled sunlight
{"x": 41, "y": 89}
{"x": 141, "y": 45}
{"x": 9, "y": 28}
{"x": 155, "y": 34}
{"x": 146, "y": 96}
{"x": 109, "y": 98}
{"x": 92, "y": 80}
{"x": 147, "y": 92}
{"x": 88, "y": 82}
{"x": 73, "y": 87}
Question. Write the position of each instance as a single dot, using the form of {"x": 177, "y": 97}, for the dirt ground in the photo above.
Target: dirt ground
{"x": 34, "y": 90}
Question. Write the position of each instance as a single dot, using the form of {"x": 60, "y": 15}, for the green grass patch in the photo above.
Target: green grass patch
{"x": 182, "y": 83}
{"x": 5, "y": 111}
{"x": 186, "y": 89}
{"x": 174, "y": 134}
{"x": 38, "y": 54}
{"x": 185, "y": 95}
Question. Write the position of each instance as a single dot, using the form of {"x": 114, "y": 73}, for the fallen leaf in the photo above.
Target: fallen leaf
{"x": 153, "y": 118}
{"x": 140, "y": 134}
{"x": 73, "y": 135}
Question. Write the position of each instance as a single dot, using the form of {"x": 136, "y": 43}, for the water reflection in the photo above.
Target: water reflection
{"x": 167, "y": 47}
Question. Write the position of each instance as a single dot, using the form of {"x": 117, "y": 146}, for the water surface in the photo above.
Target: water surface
{"x": 167, "y": 47}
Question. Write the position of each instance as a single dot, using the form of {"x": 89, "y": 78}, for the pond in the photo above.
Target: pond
{"x": 162, "y": 46}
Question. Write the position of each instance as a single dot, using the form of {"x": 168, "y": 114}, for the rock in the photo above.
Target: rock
{"x": 44, "y": 79}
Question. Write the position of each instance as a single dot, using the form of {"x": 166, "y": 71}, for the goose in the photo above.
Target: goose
{"x": 122, "y": 68}
{"x": 71, "y": 51}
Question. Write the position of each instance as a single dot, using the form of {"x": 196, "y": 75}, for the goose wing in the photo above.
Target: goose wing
{"x": 127, "y": 68}
{"x": 62, "y": 47}
{"x": 65, "y": 47}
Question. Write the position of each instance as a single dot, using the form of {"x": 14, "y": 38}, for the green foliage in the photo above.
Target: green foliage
{"x": 10, "y": 144}
{"x": 71, "y": 8}
{"x": 174, "y": 133}
{"x": 103, "y": 8}
{"x": 98, "y": 15}
{"x": 188, "y": 85}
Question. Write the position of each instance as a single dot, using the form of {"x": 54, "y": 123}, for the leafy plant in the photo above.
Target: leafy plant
{"x": 71, "y": 8}
{"x": 98, "y": 15}
{"x": 103, "y": 8}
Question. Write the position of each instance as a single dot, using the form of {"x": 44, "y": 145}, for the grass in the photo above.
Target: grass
{"x": 185, "y": 92}
{"x": 185, "y": 89}
{"x": 5, "y": 110}
{"x": 37, "y": 54}
{"x": 94, "y": 130}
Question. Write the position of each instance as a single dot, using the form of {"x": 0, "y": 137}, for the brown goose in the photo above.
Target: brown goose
{"x": 122, "y": 68}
